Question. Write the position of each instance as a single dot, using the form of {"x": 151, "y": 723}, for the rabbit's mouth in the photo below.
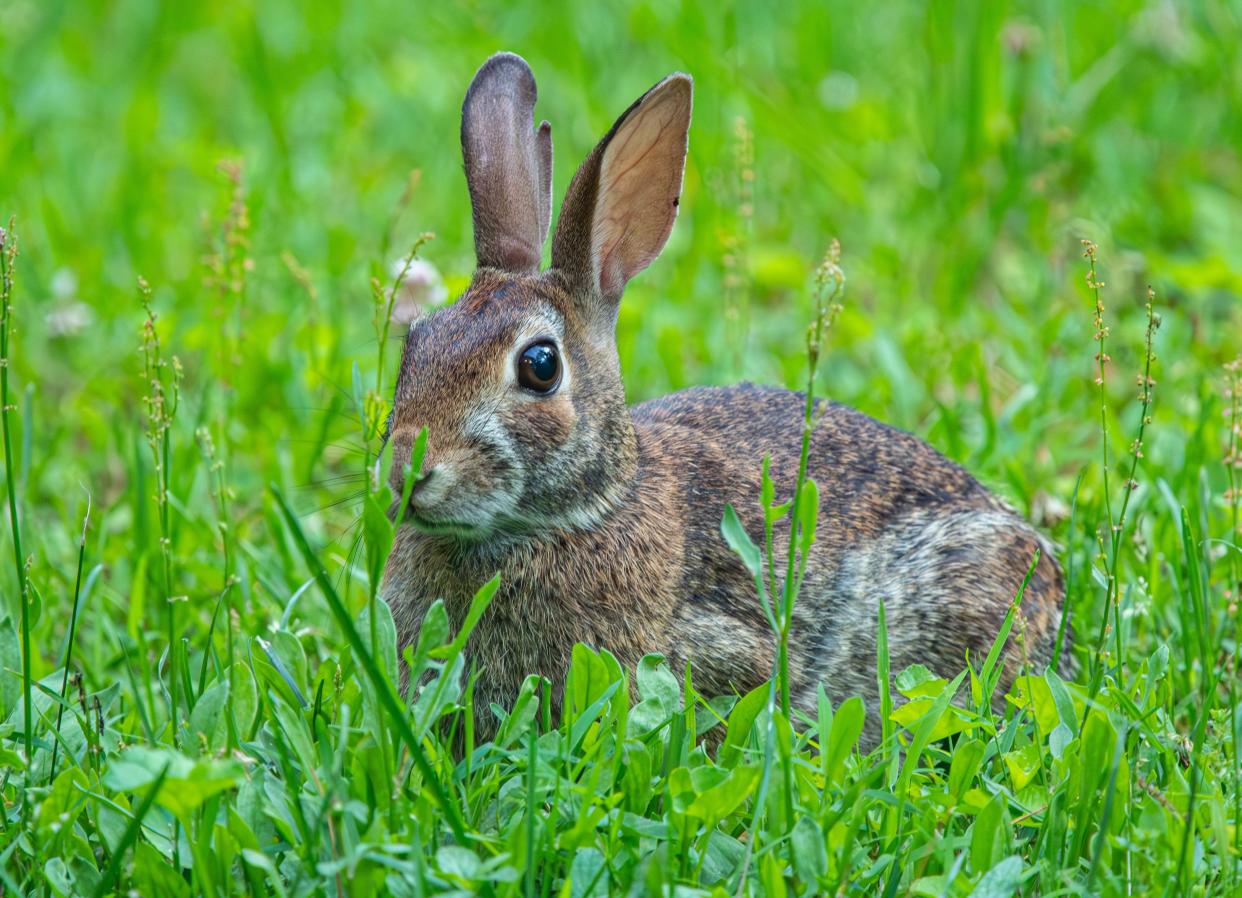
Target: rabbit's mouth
{"x": 443, "y": 527}
{"x": 423, "y": 523}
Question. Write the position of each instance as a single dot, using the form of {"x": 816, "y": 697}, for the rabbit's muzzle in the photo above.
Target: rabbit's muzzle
{"x": 460, "y": 489}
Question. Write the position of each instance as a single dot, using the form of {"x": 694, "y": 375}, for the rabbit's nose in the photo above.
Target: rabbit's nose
{"x": 421, "y": 480}
{"x": 430, "y": 486}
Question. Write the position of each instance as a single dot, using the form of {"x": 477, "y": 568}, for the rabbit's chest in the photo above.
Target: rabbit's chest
{"x": 563, "y": 593}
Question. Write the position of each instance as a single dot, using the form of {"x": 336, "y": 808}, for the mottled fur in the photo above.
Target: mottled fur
{"x": 604, "y": 520}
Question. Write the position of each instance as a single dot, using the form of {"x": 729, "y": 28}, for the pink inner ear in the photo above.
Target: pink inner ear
{"x": 640, "y": 181}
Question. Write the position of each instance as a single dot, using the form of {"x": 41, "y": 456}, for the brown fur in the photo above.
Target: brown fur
{"x": 604, "y": 521}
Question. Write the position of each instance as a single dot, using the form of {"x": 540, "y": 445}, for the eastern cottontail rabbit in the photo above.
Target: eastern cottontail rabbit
{"x": 604, "y": 520}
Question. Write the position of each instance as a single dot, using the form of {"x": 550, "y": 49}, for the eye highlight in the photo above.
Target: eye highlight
{"x": 539, "y": 367}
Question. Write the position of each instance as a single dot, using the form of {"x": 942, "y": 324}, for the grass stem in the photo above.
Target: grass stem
{"x": 8, "y": 258}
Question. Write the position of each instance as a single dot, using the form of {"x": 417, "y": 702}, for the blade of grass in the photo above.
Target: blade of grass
{"x": 73, "y": 626}
{"x": 383, "y": 688}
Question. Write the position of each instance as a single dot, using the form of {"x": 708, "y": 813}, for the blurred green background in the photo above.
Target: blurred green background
{"x": 960, "y": 151}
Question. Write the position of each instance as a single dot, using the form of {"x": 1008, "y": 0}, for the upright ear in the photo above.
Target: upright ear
{"x": 508, "y": 165}
{"x": 621, "y": 204}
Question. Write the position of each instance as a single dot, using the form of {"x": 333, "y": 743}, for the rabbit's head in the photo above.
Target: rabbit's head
{"x": 518, "y": 382}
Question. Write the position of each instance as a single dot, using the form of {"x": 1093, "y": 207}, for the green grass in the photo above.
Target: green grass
{"x": 196, "y": 675}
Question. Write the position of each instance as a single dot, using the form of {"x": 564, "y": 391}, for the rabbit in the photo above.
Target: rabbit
{"x": 604, "y": 521}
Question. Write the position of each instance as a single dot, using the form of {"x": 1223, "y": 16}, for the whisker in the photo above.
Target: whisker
{"x": 335, "y": 480}
{"x": 344, "y": 500}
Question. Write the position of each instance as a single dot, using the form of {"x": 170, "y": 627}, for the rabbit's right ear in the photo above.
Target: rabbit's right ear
{"x": 620, "y": 206}
{"x": 508, "y": 165}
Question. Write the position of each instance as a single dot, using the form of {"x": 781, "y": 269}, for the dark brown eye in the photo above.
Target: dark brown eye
{"x": 539, "y": 367}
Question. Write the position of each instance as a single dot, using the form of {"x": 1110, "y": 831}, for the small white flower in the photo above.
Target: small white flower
{"x": 68, "y": 320}
{"x": 68, "y": 315}
{"x": 421, "y": 289}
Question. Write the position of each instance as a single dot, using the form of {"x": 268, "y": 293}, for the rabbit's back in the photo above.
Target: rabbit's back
{"x": 898, "y": 521}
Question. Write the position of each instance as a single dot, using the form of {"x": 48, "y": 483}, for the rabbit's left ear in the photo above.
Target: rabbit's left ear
{"x": 622, "y": 203}
{"x": 508, "y": 165}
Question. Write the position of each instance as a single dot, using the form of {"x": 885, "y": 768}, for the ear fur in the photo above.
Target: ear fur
{"x": 508, "y": 165}
{"x": 621, "y": 205}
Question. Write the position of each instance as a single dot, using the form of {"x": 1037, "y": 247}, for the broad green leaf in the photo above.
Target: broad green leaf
{"x": 385, "y": 649}
{"x": 739, "y": 541}
{"x": 378, "y": 533}
{"x": 10, "y": 669}
{"x": 11, "y": 760}
{"x": 458, "y": 862}
{"x": 264, "y": 864}
{"x": 112, "y": 823}
{"x": 718, "y": 797}
{"x": 772, "y": 877}
{"x": 951, "y": 720}
{"x": 847, "y": 726}
{"x": 1097, "y": 739}
{"x": 522, "y": 715}
{"x": 930, "y": 886}
{"x": 433, "y": 633}
{"x": 722, "y": 858}
{"x": 1023, "y": 764}
{"x": 187, "y": 784}
{"x": 681, "y": 788}
{"x": 989, "y": 836}
{"x": 59, "y": 878}
{"x": 741, "y": 721}
{"x": 438, "y": 696}
{"x": 910, "y": 681}
{"x": 636, "y": 780}
{"x": 767, "y": 489}
{"x": 588, "y": 679}
{"x": 1001, "y": 881}
{"x": 1059, "y": 739}
{"x": 241, "y": 831}
{"x": 206, "y": 728}
{"x": 1157, "y": 665}
{"x": 582, "y": 833}
{"x": 153, "y": 875}
{"x": 60, "y": 809}
{"x": 1061, "y": 698}
{"x": 1034, "y": 694}
{"x": 656, "y": 681}
{"x": 482, "y": 599}
{"x": 588, "y": 874}
{"x": 808, "y": 514}
{"x": 273, "y": 674}
{"x": 296, "y": 735}
{"x": 810, "y": 855}
{"x": 292, "y": 656}
{"x": 245, "y": 702}
{"x": 967, "y": 756}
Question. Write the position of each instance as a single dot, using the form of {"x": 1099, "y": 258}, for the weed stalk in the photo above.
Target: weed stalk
{"x": 803, "y": 511}
{"x": 1111, "y": 548}
{"x": 375, "y": 414}
{"x": 1233, "y": 499}
{"x": 163, "y": 396}
{"x": 8, "y": 258}
{"x": 829, "y": 282}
